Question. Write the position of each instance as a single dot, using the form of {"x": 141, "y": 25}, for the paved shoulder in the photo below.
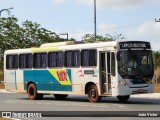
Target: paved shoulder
{"x": 152, "y": 95}
{"x": 5, "y": 91}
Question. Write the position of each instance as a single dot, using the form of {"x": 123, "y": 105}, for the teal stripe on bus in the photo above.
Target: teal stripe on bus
{"x": 45, "y": 81}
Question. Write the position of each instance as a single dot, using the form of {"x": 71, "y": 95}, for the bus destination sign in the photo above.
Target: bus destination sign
{"x": 134, "y": 44}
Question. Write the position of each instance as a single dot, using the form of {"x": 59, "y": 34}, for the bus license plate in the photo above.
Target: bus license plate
{"x": 140, "y": 90}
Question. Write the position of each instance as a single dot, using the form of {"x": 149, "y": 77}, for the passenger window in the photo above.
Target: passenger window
{"x": 88, "y": 58}
{"x": 25, "y": 61}
{"x": 12, "y": 62}
{"x": 55, "y": 59}
{"x": 72, "y": 58}
{"x": 39, "y": 60}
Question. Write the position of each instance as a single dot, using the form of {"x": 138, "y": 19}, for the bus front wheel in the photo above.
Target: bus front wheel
{"x": 93, "y": 93}
{"x": 32, "y": 93}
{"x": 123, "y": 98}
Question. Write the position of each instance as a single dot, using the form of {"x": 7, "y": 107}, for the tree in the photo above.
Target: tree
{"x": 29, "y": 34}
{"x": 90, "y": 37}
{"x": 157, "y": 65}
{"x": 156, "y": 59}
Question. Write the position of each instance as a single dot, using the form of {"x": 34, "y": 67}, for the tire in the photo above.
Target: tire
{"x": 123, "y": 98}
{"x": 93, "y": 95}
{"x": 60, "y": 96}
{"x": 32, "y": 93}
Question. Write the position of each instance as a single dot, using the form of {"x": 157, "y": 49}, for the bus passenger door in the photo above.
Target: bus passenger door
{"x": 106, "y": 71}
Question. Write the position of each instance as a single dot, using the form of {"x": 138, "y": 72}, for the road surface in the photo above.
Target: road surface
{"x": 20, "y": 102}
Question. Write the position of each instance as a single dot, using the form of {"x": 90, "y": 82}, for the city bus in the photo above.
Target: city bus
{"x": 100, "y": 69}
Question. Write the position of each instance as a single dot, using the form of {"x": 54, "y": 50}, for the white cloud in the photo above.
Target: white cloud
{"x": 1, "y": 1}
{"x": 59, "y": 1}
{"x": 101, "y": 28}
{"x": 119, "y": 4}
{"x": 106, "y": 27}
{"x": 87, "y": 2}
{"x": 146, "y": 28}
{"x": 148, "y": 31}
{"x": 113, "y": 4}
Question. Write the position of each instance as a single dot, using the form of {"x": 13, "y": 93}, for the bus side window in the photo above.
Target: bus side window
{"x": 12, "y": 62}
{"x": 60, "y": 59}
{"x": 43, "y": 60}
{"x": 68, "y": 58}
{"x": 25, "y": 61}
{"x": 52, "y": 59}
{"x": 55, "y": 59}
{"x": 72, "y": 58}
{"x": 113, "y": 63}
{"x": 39, "y": 60}
{"x": 76, "y": 58}
{"x": 89, "y": 57}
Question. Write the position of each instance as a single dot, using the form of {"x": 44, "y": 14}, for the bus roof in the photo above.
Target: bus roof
{"x": 63, "y": 46}
{"x": 69, "y": 45}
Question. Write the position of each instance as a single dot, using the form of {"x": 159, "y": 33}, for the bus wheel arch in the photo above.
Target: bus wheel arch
{"x": 32, "y": 92}
{"x": 92, "y": 91}
{"x": 123, "y": 98}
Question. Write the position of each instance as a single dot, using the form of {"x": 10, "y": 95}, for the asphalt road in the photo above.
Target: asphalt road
{"x": 20, "y": 102}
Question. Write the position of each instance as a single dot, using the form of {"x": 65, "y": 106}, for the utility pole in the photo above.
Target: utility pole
{"x": 95, "y": 34}
{"x": 157, "y": 20}
{"x": 64, "y": 34}
{"x": 5, "y": 10}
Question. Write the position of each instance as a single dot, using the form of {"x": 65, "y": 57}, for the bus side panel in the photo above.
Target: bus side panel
{"x": 49, "y": 80}
{"x": 20, "y": 81}
{"x": 83, "y": 76}
{"x": 10, "y": 80}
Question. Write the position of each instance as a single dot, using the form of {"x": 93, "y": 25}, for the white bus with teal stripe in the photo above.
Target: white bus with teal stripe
{"x": 116, "y": 68}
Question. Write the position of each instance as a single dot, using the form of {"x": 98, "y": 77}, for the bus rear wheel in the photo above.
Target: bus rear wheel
{"x": 93, "y": 94}
{"x": 32, "y": 93}
{"x": 60, "y": 96}
{"x": 123, "y": 98}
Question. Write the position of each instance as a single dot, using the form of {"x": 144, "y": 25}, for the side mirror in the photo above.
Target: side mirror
{"x": 118, "y": 56}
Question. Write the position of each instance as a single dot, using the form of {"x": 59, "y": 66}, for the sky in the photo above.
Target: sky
{"x": 134, "y": 19}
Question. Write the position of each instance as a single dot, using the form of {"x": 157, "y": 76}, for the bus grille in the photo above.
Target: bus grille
{"x": 137, "y": 92}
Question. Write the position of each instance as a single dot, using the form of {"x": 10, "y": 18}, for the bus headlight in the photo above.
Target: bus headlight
{"x": 122, "y": 83}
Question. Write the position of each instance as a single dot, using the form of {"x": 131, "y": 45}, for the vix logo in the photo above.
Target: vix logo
{"x": 62, "y": 75}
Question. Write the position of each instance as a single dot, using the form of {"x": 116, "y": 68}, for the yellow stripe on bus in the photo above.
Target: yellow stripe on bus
{"x": 61, "y": 76}
{"x": 44, "y": 49}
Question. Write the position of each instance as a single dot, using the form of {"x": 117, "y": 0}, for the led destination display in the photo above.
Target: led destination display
{"x": 134, "y": 44}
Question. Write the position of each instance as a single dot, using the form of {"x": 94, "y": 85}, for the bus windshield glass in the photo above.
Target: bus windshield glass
{"x": 135, "y": 63}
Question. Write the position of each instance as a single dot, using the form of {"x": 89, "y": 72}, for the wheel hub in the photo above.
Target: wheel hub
{"x": 93, "y": 93}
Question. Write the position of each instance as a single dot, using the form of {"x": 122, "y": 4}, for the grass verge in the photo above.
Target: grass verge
{"x": 1, "y": 86}
{"x": 4, "y": 118}
{"x": 157, "y": 88}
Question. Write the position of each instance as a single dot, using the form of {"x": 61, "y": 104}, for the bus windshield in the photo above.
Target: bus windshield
{"x": 135, "y": 63}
